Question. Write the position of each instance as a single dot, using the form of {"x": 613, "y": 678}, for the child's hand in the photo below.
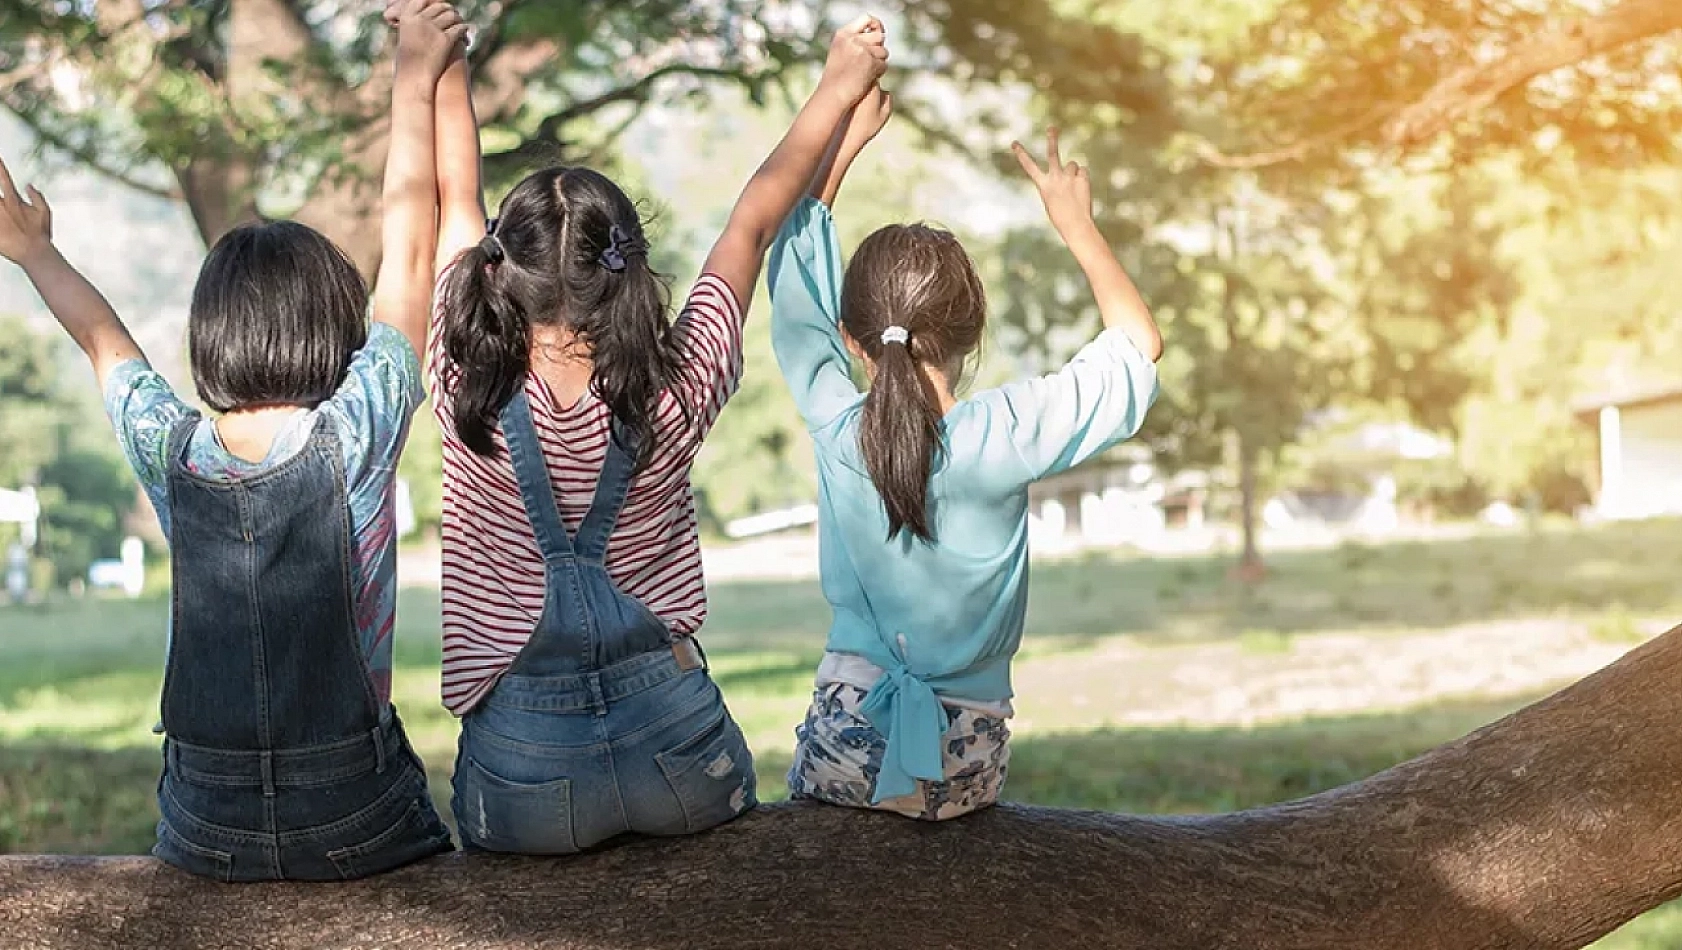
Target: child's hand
{"x": 428, "y": 33}
{"x": 26, "y": 227}
{"x": 869, "y": 117}
{"x": 858, "y": 56}
{"x": 1064, "y": 188}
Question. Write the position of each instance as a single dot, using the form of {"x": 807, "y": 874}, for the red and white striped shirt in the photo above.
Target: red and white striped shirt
{"x": 493, "y": 582}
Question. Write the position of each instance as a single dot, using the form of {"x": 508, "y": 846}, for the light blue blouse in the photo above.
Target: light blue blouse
{"x": 941, "y": 618}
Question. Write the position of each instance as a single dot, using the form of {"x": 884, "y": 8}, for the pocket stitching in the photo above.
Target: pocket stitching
{"x": 674, "y": 775}
{"x": 557, "y": 792}
{"x": 344, "y": 858}
{"x": 699, "y": 738}
{"x": 223, "y": 860}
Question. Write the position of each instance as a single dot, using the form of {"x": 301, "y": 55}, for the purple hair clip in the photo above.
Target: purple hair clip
{"x": 620, "y": 245}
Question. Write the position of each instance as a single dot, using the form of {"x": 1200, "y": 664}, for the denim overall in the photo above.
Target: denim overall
{"x": 596, "y": 729}
{"x": 278, "y": 763}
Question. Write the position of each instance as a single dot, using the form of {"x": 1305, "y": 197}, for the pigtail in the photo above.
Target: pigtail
{"x": 636, "y": 360}
{"x": 486, "y": 337}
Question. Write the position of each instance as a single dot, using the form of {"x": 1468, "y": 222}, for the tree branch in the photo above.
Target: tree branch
{"x": 1475, "y": 87}
{"x": 1567, "y": 44}
{"x": 546, "y": 139}
{"x": 1299, "y": 150}
{"x": 1543, "y": 831}
{"x": 88, "y": 157}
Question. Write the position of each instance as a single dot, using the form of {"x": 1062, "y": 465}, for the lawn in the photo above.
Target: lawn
{"x": 79, "y": 680}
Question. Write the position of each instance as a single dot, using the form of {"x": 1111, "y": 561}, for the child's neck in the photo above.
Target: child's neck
{"x": 562, "y": 364}
{"x": 249, "y": 434}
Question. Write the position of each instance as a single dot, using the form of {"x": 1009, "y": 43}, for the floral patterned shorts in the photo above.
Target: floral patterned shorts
{"x": 838, "y": 754}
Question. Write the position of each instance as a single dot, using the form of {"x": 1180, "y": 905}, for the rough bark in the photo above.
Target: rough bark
{"x": 1471, "y": 89}
{"x": 1543, "y": 831}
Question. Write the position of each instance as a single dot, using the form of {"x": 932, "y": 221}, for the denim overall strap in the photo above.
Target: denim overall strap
{"x": 265, "y": 656}
{"x": 614, "y": 483}
{"x": 587, "y": 623}
{"x": 531, "y": 471}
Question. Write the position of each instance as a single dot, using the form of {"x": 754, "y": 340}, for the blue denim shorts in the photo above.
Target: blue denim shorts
{"x": 555, "y": 765}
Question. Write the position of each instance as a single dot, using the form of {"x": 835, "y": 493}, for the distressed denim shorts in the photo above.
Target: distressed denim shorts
{"x": 555, "y": 765}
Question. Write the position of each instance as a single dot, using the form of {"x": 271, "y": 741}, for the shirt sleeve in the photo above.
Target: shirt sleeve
{"x": 1096, "y": 401}
{"x": 375, "y": 404}
{"x": 708, "y": 335}
{"x": 805, "y": 281}
{"x": 144, "y": 410}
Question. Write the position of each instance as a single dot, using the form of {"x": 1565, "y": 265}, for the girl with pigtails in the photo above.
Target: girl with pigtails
{"x": 572, "y": 406}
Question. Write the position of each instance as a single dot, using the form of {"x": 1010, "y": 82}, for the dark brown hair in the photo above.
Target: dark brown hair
{"x": 278, "y": 311}
{"x": 919, "y": 279}
{"x": 546, "y": 264}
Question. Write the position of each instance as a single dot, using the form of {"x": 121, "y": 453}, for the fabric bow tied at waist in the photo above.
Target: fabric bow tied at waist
{"x": 911, "y": 718}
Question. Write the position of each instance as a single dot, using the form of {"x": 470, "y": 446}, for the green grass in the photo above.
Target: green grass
{"x": 79, "y": 680}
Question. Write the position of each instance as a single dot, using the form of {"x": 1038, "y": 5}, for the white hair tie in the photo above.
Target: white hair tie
{"x": 898, "y": 335}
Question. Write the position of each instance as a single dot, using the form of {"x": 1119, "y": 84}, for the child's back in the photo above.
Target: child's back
{"x": 960, "y": 595}
{"x": 283, "y": 758}
{"x": 572, "y": 408}
{"x": 923, "y": 510}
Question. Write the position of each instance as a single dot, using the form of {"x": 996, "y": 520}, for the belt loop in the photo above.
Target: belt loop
{"x": 267, "y": 760}
{"x": 379, "y": 750}
{"x": 598, "y": 702}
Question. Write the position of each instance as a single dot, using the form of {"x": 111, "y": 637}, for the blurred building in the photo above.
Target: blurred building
{"x": 1640, "y": 442}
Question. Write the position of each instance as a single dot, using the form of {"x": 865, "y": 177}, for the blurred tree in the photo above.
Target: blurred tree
{"x": 1597, "y": 79}
{"x": 57, "y": 441}
{"x": 245, "y": 107}
{"x": 1281, "y": 290}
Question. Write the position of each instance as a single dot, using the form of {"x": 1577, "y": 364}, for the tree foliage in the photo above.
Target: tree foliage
{"x": 277, "y": 107}
{"x": 57, "y": 441}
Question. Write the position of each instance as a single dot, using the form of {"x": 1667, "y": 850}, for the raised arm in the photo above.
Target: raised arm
{"x": 866, "y": 120}
{"x": 857, "y": 58}
{"x": 1067, "y": 193}
{"x": 26, "y": 239}
{"x": 461, "y": 194}
{"x": 428, "y": 32}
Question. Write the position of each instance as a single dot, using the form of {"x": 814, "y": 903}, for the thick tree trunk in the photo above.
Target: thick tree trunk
{"x": 1543, "y": 832}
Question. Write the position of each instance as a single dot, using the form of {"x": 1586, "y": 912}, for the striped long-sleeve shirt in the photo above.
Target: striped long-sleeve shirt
{"x": 493, "y": 581}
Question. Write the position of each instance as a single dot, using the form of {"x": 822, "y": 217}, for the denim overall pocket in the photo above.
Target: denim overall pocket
{"x": 498, "y": 814}
{"x": 711, "y": 772}
{"x": 173, "y": 849}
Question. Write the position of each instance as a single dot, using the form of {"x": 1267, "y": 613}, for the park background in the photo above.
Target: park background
{"x": 1415, "y": 463}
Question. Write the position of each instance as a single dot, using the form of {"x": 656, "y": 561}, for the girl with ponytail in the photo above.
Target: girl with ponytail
{"x": 572, "y": 405}
{"x": 923, "y": 497}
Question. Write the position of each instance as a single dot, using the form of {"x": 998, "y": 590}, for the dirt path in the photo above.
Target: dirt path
{"x": 1314, "y": 675}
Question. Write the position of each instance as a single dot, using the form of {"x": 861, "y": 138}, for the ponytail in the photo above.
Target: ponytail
{"x": 900, "y": 437}
{"x": 912, "y": 302}
{"x": 486, "y": 338}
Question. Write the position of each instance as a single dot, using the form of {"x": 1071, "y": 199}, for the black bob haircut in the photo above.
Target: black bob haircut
{"x": 278, "y": 312}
